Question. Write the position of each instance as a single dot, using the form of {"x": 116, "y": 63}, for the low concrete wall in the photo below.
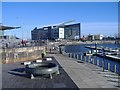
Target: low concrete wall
{"x": 21, "y": 54}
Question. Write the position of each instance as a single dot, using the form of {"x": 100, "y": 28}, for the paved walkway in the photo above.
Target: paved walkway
{"x": 86, "y": 75}
{"x": 13, "y": 76}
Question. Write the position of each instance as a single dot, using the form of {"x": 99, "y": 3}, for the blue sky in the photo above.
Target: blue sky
{"x": 95, "y": 17}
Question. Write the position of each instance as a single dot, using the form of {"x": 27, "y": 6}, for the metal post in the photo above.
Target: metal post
{"x": 73, "y": 55}
{"x": 80, "y": 57}
{"x": 93, "y": 61}
{"x": 115, "y": 70}
{"x": 108, "y": 66}
{"x": 103, "y": 62}
{"x": 85, "y": 58}
{"x": 98, "y": 62}
{"x": 69, "y": 55}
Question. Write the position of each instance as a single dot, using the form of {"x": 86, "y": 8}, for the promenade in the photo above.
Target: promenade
{"x": 13, "y": 76}
{"x": 86, "y": 75}
{"x": 73, "y": 74}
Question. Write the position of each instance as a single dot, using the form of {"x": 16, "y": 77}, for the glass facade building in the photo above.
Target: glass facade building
{"x": 71, "y": 31}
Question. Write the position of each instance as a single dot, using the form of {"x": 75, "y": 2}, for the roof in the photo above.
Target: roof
{"x": 8, "y": 27}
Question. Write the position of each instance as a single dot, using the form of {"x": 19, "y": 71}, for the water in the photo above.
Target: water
{"x": 108, "y": 64}
{"x": 81, "y": 48}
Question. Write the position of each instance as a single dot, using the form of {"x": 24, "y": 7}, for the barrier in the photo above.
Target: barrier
{"x": 11, "y": 55}
{"x": 95, "y": 61}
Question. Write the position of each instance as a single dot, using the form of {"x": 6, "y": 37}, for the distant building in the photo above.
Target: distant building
{"x": 98, "y": 37}
{"x": 95, "y": 37}
{"x": 56, "y": 32}
{"x": 41, "y": 33}
{"x": 90, "y": 37}
{"x": 72, "y": 31}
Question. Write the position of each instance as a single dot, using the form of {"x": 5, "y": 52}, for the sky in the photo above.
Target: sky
{"x": 95, "y": 17}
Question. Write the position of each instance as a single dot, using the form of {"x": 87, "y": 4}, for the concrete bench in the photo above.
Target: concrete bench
{"x": 26, "y": 63}
{"x": 48, "y": 59}
{"x": 39, "y": 60}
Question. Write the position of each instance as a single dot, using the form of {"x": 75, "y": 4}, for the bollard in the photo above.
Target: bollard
{"x": 69, "y": 54}
{"x": 103, "y": 65}
{"x": 108, "y": 66}
{"x": 115, "y": 68}
{"x": 85, "y": 58}
{"x": 88, "y": 58}
{"x": 74, "y": 56}
{"x": 93, "y": 61}
{"x": 98, "y": 62}
{"x": 78, "y": 56}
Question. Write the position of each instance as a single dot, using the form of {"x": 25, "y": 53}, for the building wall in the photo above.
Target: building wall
{"x": 54, "y": 33}
{"x": 95, "y": 37}
{"x": 41, "y": 33}
{"x": 72, "y": 31}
